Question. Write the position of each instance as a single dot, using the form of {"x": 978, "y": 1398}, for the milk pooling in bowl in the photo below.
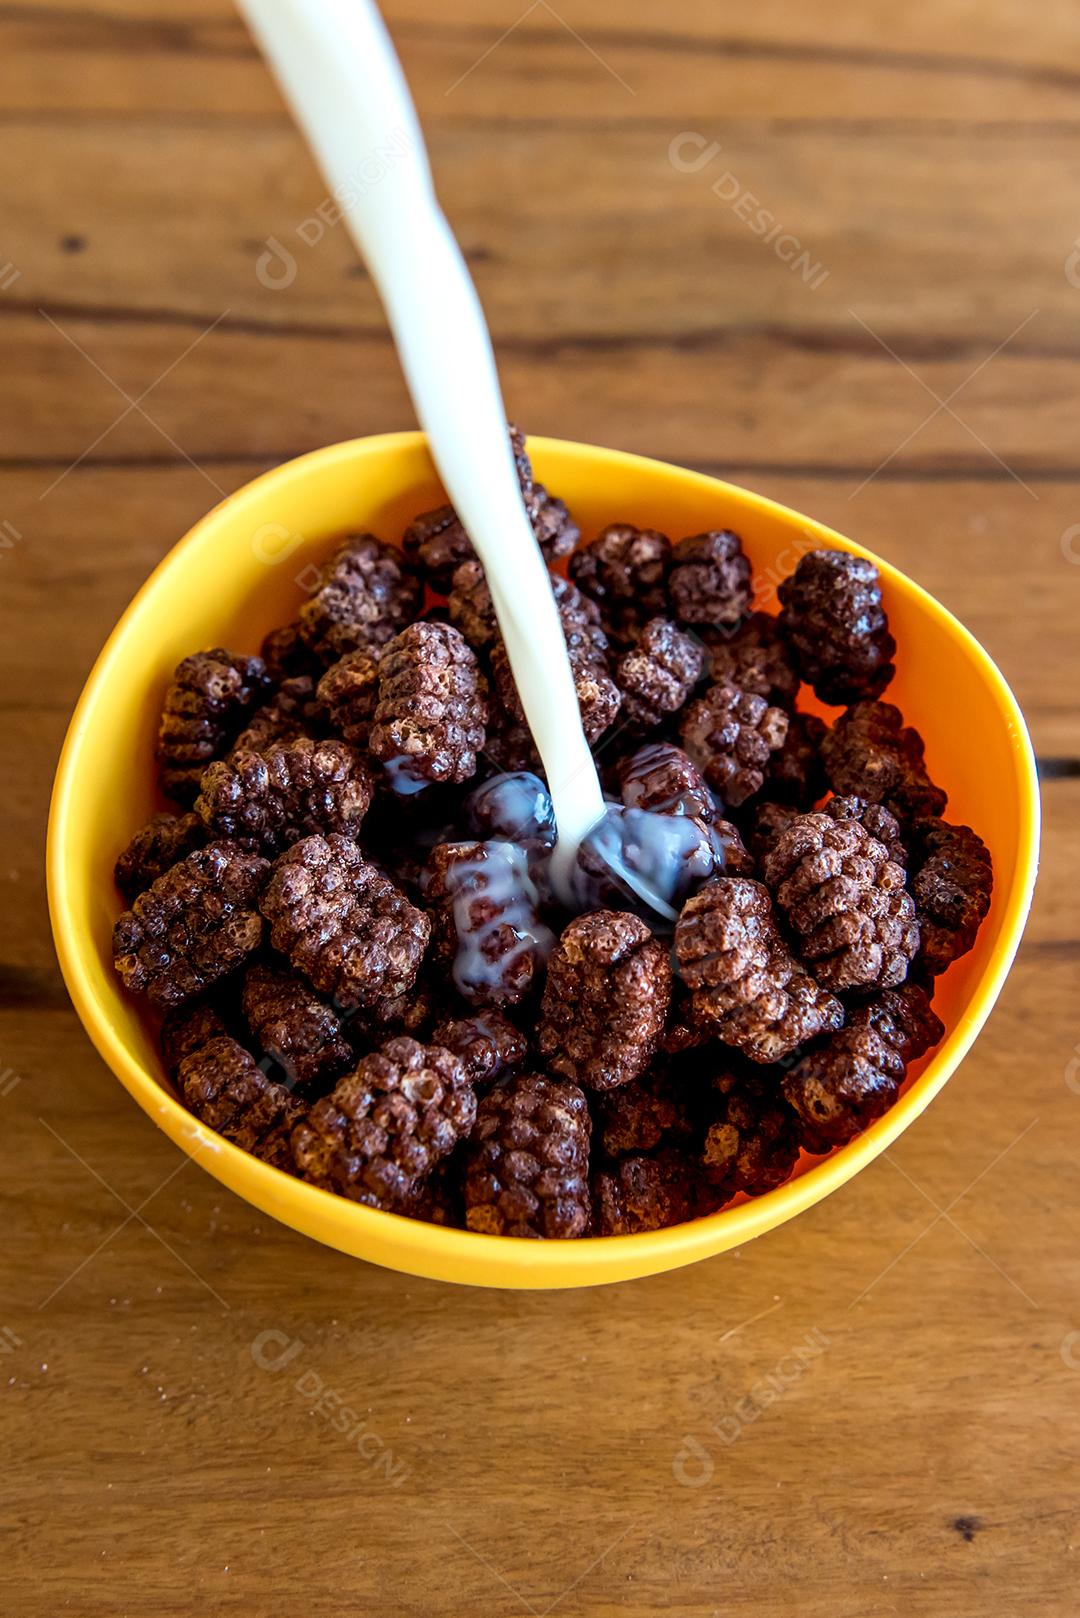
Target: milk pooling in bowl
{"x": 631, "y": 858}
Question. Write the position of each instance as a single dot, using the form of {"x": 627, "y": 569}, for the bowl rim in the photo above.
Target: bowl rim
{"x": 447, "y": 1253}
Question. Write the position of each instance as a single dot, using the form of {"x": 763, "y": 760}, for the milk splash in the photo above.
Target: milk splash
{"x": 632, "y": 858}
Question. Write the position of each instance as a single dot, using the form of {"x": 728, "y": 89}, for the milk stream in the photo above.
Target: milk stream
{"x": 339, "y": 72}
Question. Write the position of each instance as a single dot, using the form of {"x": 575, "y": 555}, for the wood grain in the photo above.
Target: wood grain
{"x": 871, "y": 1412}
{"x": 589, "y": 217}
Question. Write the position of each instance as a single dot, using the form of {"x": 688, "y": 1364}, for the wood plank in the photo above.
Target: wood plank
{"x": 969, "y": 237}
{"x": 854, "y": 64}
{"x": 252, "y": 394}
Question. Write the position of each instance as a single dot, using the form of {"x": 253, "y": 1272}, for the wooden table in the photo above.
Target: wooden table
{"x": 874, "y": 1410}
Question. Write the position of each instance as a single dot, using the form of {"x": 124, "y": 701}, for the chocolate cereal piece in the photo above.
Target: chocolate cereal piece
{"x": 598, "y": 699}
{"x": 437, "y": 542}
{"x": 904, "y": 1018}
{"x": 624, "y": 570}
{"x": 294, "y": 710}
{"x": 269, "y": 725}
{"x": 598, "y": 696}
{"x": 575, "y": 609}
{"x": 751, "y": 1143}
{"x": 348, "y": 694}
{"x": 430, "y": 720}
{"x": 522, "y": 462}
{"x": 287, "y": 656}
{"x": 709, "y": 579}
{"x": 686, "y": 1029}
{"x": 439, "y": 1199}
{"x": 646, "y": 1114}
{"x": 386, "y": 1124}
{"x": 880, "y": 822}
{"x": 488, "y": 1044}
{"x": 664, "y": 780}
{"x": 796, "y": 773}
{"x": 527, "y": 1169}
{"x": 227, "y": 1090}
{"x": 509, "y": 745}
{"x": 343, "y": 924}
{"x": 641, "y": 1193}
{"x": 853, "y": 1077}
{"x": 631, "y": 854}
{"x": 733, "y": 857}
{"x": 363, "y": 596}
{"x": 471, "y": 607}
{"x": 302, "y": 1034}
{"x": 952, "y": 880}
{"x": 870, "y": 753}
{"x": 746, "y": 983}
{"x": 488, "y": 927}
{"x": 733, "y": 736}
{"x": 832, "y": 615}
{"x": 556, "y": 531}
{"x": 192, "y": 925}
{"x": 756, "y": 658}
{"x": 295, "y": 789}
{"x": 605, "y": 1001}
{"x": 512, "y": 808}
{"x": 206, "y": 704}
{"x": 412, "y": 1012}
{"x": 154, "y": 849}
{"x": 845, "y": 901}
{"x": 659, "y": 672}
{"x": 769, "y": 821}
{"x": 186, "y": 1029}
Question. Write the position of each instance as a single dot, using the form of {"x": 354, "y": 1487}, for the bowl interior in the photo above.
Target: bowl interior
{"x": 244, "y": 569}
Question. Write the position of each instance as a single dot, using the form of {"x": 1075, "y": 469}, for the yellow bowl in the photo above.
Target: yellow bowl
{"x": 242, "y": 570}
